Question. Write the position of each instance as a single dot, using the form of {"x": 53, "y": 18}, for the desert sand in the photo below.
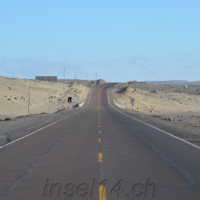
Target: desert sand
{"x": 159, "y": 99}
{"x": 14, "y": 121}
{"x": 172, "y": 106}
{"x": 14, "y": 95}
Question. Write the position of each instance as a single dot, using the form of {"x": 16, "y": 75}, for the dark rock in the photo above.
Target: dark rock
{"x": 7, "y": 119}
{"x": 21, "y": 116}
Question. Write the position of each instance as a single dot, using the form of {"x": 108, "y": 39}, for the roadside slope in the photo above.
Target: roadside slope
{"x": 174, "y": 109}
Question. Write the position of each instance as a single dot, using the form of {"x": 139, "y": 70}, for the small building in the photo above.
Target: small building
{"x": 46, "y": 78}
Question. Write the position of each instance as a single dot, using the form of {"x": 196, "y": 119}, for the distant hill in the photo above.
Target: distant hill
{"x": 175, "y": 82}
{"x": 89, "y": 83}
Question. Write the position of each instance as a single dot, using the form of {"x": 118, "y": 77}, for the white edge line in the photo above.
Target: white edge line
{"x": 151, "y": 125}
{"x": 81, "y": 104}
{"x": 45, "y": 126}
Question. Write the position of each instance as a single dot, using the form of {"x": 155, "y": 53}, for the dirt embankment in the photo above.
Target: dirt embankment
{"x": 14, "y": 93}
{"x": 174, "y": 106}
{"x": 14, "y": 96}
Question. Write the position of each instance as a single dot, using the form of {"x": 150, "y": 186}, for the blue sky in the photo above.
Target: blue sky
{"x": 127, "y": 40}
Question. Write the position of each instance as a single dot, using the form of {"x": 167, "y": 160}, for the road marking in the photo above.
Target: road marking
{"x": 151, "y": 125}
{"x": 102, "y": 189}
{"x": 46, "y": 125}
{"x": 102, "y": 192}
{"x": 100, "y": 157}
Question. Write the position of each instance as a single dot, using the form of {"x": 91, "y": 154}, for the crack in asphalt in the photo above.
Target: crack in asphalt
{"x": 8, "y": 138}
{"x": 27, "y": 171}
{"x": 181, "y": 172}
{"x": 186, "y": 176}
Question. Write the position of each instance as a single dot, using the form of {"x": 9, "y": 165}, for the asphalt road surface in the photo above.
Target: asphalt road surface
{"x": 99, "y": 153}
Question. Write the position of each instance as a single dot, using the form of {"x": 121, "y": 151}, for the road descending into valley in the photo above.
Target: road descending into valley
{"x": 99, "y": 153}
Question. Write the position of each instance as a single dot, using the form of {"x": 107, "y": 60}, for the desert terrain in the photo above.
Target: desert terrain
{"x": 175, "y": 82}
{"x": 175, "y": 107}
{"x": 14, "y": 95}
{"x": 14, "y": 119}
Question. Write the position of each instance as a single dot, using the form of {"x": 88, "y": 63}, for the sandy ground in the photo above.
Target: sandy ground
{"x": 175, "y": 108}
{"x": 17, "y": 127}
{"x": 14, "y": 94}
{"x": 10, "y": 107}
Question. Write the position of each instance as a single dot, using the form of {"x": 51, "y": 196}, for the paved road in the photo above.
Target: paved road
{"x": 99, "y": 153}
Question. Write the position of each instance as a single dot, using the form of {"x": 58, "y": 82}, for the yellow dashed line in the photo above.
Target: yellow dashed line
{"x": 102, "y": 192}
{"x": 102, "y": 189}
{"x": 100, "y": 157}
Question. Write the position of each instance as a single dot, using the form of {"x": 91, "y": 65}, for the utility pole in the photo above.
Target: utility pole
{"x": 49, "y": 102}
{"x": 86, "y": 77}
{"x": 29, "y": 101}
{"x": 96, "y": 76}
{"x": 64, "y": 74}
{"x": 75, "y": 76}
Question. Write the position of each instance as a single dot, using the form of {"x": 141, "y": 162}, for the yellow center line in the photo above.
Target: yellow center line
{"x": 102, "y": 188}
{"x": 100, "y": 157}
{"x": 102, "y": 192}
